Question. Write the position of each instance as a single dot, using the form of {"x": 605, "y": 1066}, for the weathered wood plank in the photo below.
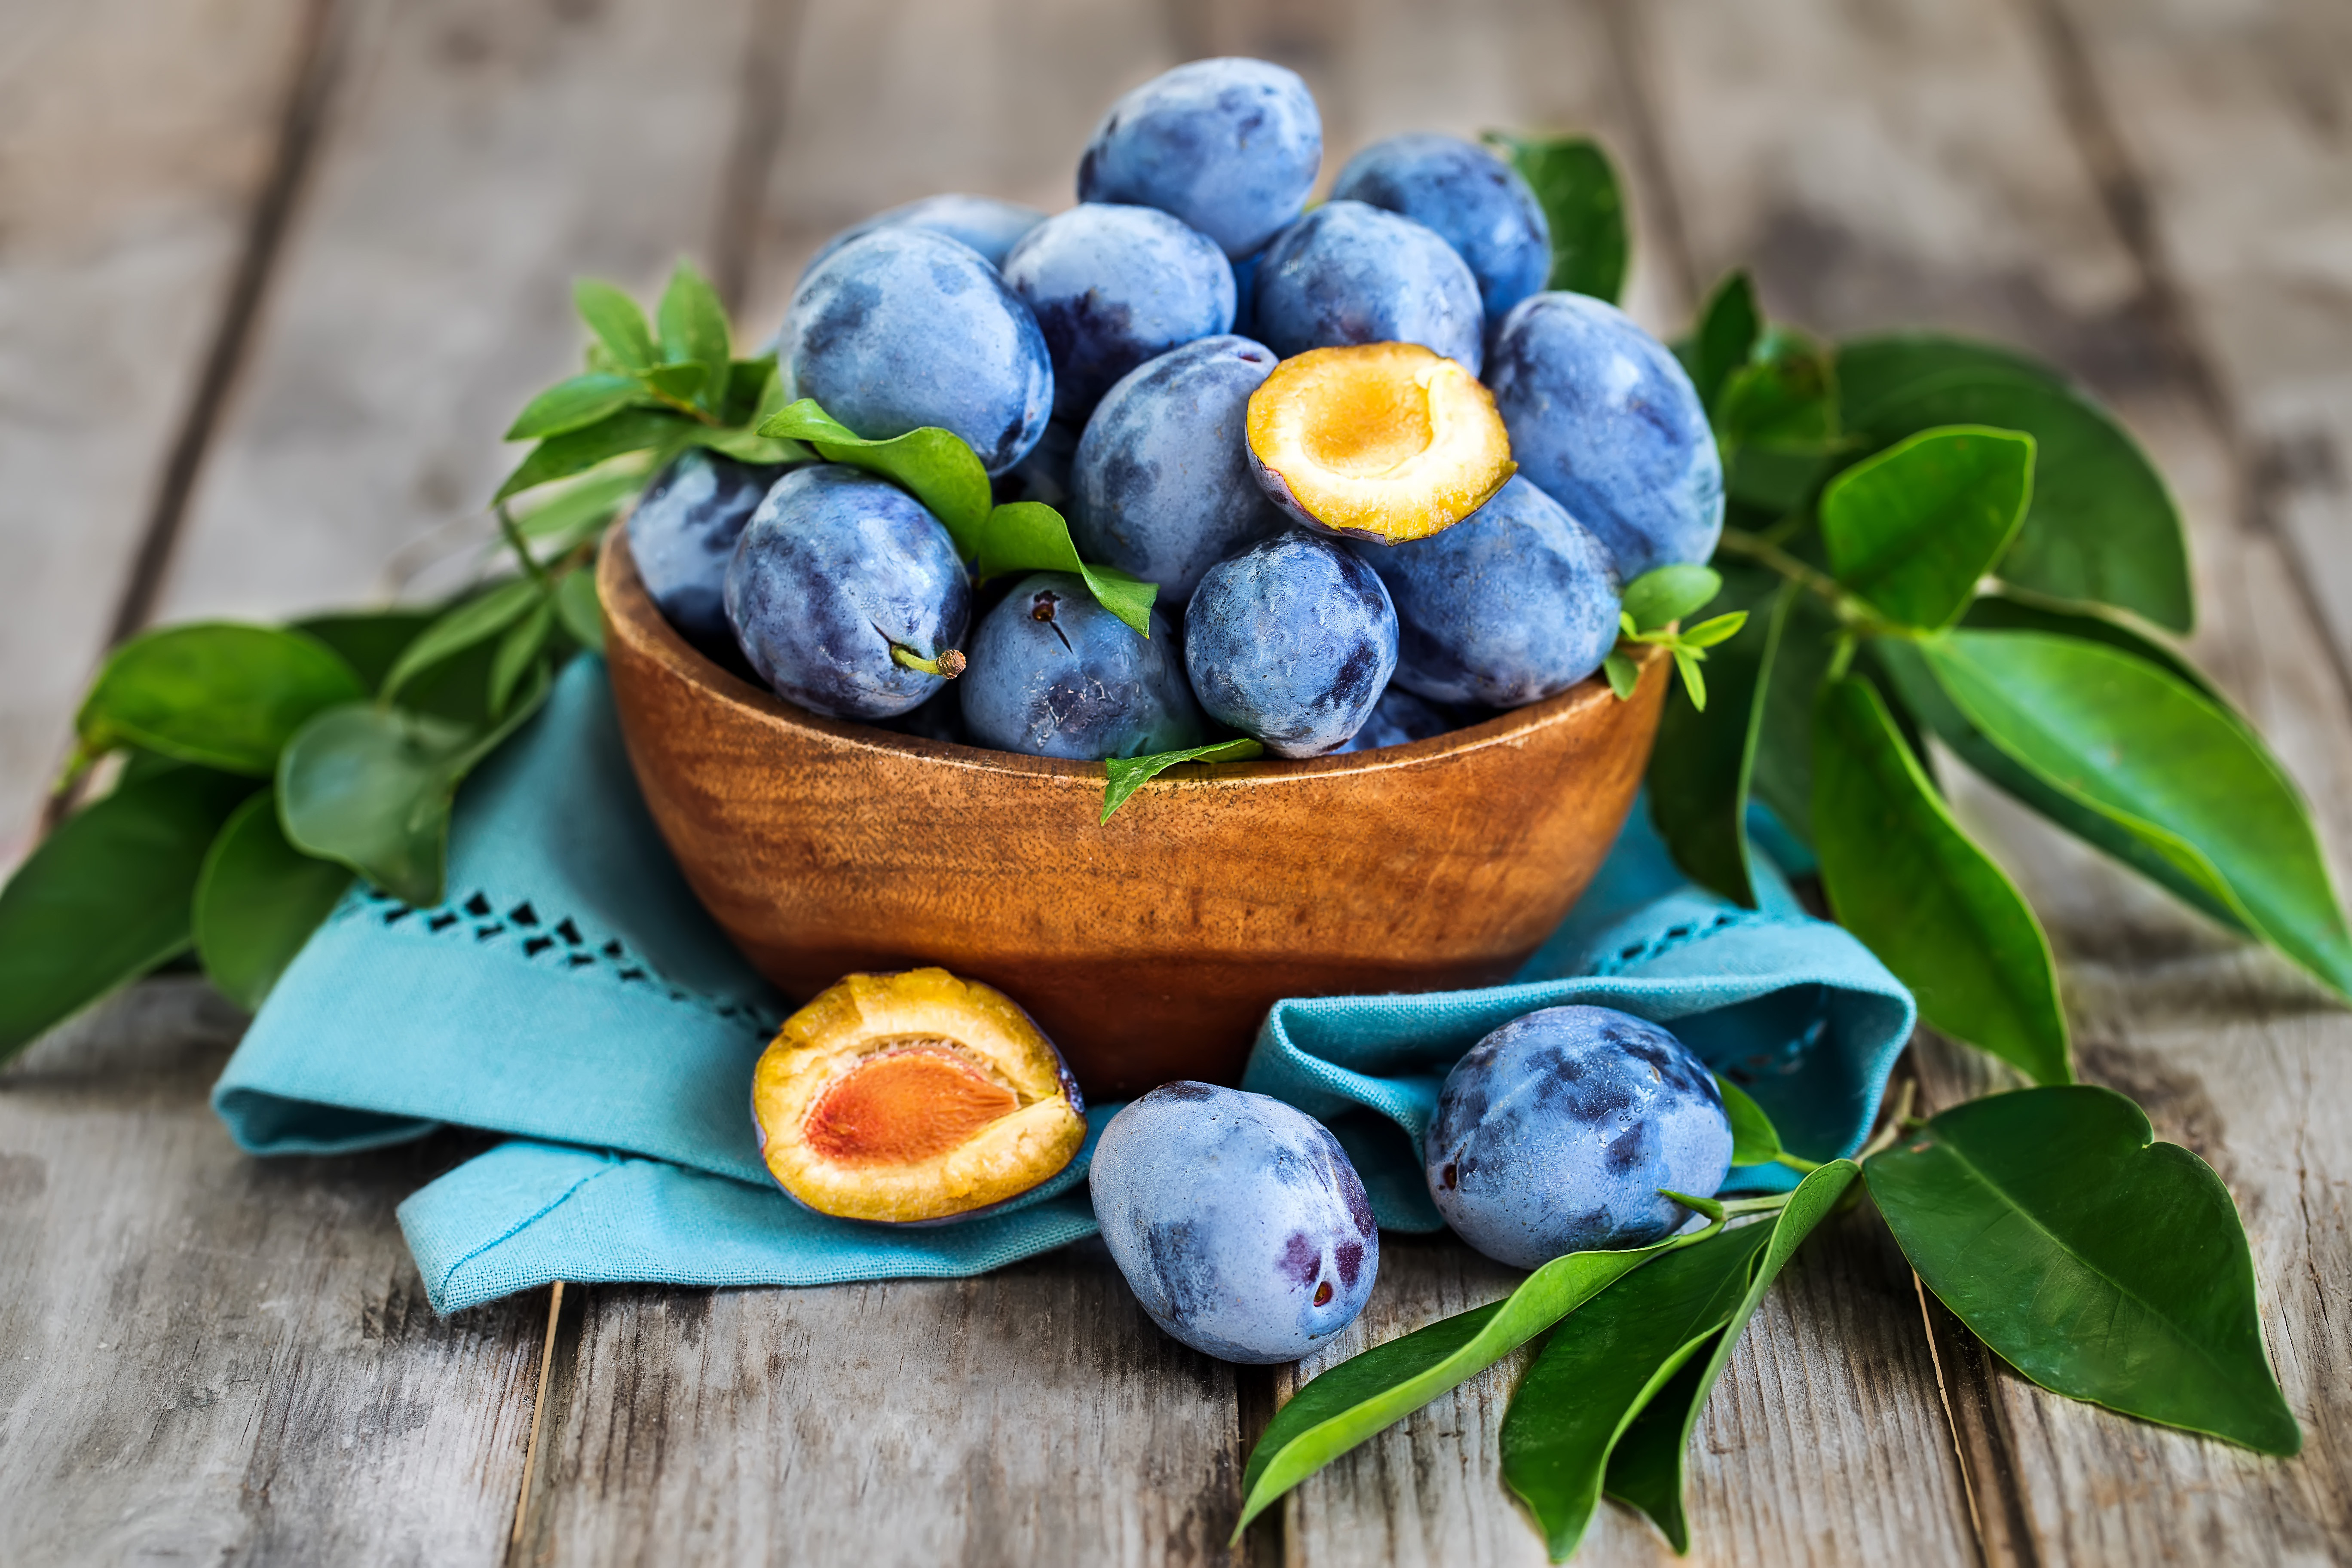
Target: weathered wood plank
{"x": 209, "y": 1358}
{"x": 134, "y": 142}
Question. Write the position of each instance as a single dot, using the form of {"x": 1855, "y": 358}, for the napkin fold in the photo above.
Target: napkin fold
{"x": 572, "y": 993}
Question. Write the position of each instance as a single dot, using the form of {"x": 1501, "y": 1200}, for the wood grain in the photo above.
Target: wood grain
{"x": 209, "y": 1358}
{"x": 135, "y": 139}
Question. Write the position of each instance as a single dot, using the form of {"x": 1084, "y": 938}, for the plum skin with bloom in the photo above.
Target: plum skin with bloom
{"x": 903, "y": 328}
{"x": 987, "y": 224}
{"x": 683, "y": 533}
{"x": 1291, "y": 641}
{"x": 836, "y": 573}
{"x": 1163, "y": 485}
{"x": 1554, "y": 1135}
{"x": 1514, "y": 604}
{"x": 1605, "y": 421}
{"x": 1112, "y": 286}
{"x": 1473, "y": 200}
{"x": 1230, "y": 146}
{"x": 1236, "y": 1219}
{"x": 1400, "y": 718}
{"x": 1351, "y": 273}
{"x": 1053, "y": 674}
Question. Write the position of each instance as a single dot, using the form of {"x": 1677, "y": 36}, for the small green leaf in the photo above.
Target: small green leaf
{"x": 517, "y": 649}
{"x": 1645, "y": 1467}
{"x": 216, "y": 693}
{"x": 1754, "y": 1140}
{"x": 1603, "y": 1364}
{"x": 1707, "y": 632}
{"x": 1030, "y": 536}
{"x": 580, "y": 513}
{"x": 694, "y": 327}
{"x": 105, "y": 897}
{"x": 1905, "y": 880}
{"x": 2125, "y": 739}
{"x": 583, "y": 612}
{"x": 1124, "y": 776}
{"x": 257, "y": 900}
{"x": 760, "y": 451}
{"x": 1913, "y": 529}
{"x": 937, "y": 465}
{"x": 1665, "y": 595}
{"x": 679, "y": 383}
{"x": 1577, "y": 187}
{"x": 2102, "y": 528}
{"x": 1702, "y": 765}
{"x": 2102, "y": 1264}
{"x": 1726, "y": 335}
{"x": 656, "y": 430}
{"x": 1694, "y": 682}
{"x": 1343, "y": 1406}
{"x": 618, "y": 324}
{"x": 574, "y": 403}
{"x": 464, "y": 625}
{"x": 1623, "y": 675}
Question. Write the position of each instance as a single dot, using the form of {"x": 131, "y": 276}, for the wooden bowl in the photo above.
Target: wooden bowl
{"x": 1149, "y": 947}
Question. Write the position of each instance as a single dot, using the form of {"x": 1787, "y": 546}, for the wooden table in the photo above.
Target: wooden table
{"x": 273, "y": 273}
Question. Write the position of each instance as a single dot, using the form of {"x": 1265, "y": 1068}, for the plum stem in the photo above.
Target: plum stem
{"x": 948, "y": 666}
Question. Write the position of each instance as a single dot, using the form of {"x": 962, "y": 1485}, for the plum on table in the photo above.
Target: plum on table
{"x": 1291, "y": 641}
{"x": 1351, "y": 273}
{"x": 1231, "y": 146}
{"x": 1473, "y": 200}
{"x": 1053, "y": 674}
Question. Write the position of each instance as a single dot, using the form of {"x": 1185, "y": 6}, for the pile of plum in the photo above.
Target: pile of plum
{"x": 1272, "y": 413}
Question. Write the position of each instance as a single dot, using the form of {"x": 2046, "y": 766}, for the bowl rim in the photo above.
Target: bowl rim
{"x": 630, "y": 616}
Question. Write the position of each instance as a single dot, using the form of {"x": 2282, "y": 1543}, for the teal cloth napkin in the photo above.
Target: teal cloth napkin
{"x": 572, "y": 993}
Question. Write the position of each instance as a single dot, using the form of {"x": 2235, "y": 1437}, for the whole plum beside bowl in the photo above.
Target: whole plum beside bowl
{"x": 1231, "y": 146}
{"x": 1053, "y": 674}
{"x": 1236, "y": 1219}
{"x": 1556, "y": 1133}
{"x": 1473, "y": 200}
{"x": 1350, "y": 273}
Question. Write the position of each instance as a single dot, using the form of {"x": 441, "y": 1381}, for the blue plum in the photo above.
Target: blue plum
{"x": 839, "y": 582}
{"x": 1475, "y": 202}
{"x": 1555, "y": 1133}
{"x": 1509, "y": 605}
{"x": 1291, "y": 640}
{"x": 904, "y": 328}
{"x": 1400, "y": 718}
{"x": 1055, "y": 675}
{"x": 683, "y": 533}
{"x": 1231, "y": 146}
{"x": 1111, "y": 287}
{"x": 1163, "y": 485}
{"x": 1606, "y": 422}
{"x": 1245, "y": 293}
{"x": 1236, "y": 1219}
{"x": 988, "y": 224}
{"x": 1349, "y": 273}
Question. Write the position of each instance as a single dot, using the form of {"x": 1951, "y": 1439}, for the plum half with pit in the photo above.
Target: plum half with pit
{"x": 846, "y": 595}
{"x": 1558, "y": 1132}
{"x": 1291, "y": 641}
{"x": 1053, "y": 674}
{"x": 1236, "y": 1219}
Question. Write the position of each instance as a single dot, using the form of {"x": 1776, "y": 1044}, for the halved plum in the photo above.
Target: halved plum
{"x": 1380, "y": 441}
{"x": 913, "y": 1097}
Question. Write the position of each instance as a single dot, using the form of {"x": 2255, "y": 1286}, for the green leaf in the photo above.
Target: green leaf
{"x": 1776, "y": 421}
{"x": 106, "y": 897}
{"x": 1124, "y": 776}
{"x": 936, "y": 466}
{"x": 1754, "y": 1140}
{"x": 681, "y": 382}
{"x": 1645, "y": 1467}
{"x": 1915, "y": 528}
{"x": 2102, "y": 527}
{"x": 1343, "y": 1406}
{"x": 579, "y": 511}
{"x": 1577, "y": 187}
{"x": 1603, "y": 1364}
{"x": 2127, "y": 739}
{"x": 519, "y": 649}
{"x": 216, "y": 693}
{"x": 1623, "y": 675}
{"x": 656, "y": 430}
{"x": 1902, "y": 877}
{"x": 571, "y": 405}
{"x": 693, "y": 324}
{"x": 2012, "y": 609}
{"x": 464, "y": 625}
{"x": 370, "y": 641}
{"x": 761, "y": 451}
{"x": 1716, "y": 629}
{"x": 754, "y": 390}
{"x": 257, "y": 900}
{"x": 1726, "y": 335}
{"x": 2103, "y": 1265}
{"x": 1805, "y": 635}
{"x": 1030, "y": 536}
{"x": 583, "y": 612}
{"x": 618, "y": 324}
{"x": 1702, "y": 765}
{"x": 1665, "y": 595}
